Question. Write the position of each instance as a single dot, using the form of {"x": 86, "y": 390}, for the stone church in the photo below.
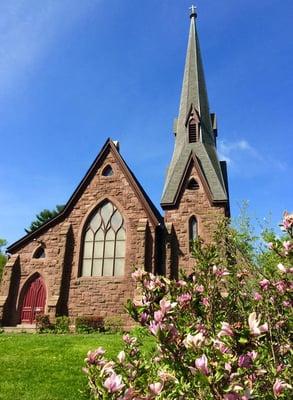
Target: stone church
{"x": 80, "y": 262}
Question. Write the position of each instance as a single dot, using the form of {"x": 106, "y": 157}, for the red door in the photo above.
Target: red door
{"x": 34, "y": 301}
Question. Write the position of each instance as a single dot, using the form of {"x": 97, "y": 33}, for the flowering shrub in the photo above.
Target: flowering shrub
{"x": 222, "y": 333}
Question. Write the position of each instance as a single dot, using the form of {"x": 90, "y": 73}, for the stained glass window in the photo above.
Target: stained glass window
{"x": 104, "y": 243}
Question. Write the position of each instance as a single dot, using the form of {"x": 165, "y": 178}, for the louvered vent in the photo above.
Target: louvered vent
{"x": 192, "y": 132}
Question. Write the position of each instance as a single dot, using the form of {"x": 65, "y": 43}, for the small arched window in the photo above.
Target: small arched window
{"x": 39, "y": 253}
{"x": 192, "y": 184}
{"x": 107, "y": 171}
{"x": 104, "y": 243}
{"x": 193, "y": 231}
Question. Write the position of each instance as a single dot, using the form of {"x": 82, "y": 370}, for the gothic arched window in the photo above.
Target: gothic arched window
{"x": 193, "y": 230}
{"x": 104, "y": 243}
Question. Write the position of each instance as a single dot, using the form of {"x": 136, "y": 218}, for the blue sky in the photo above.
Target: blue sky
{"x": 73, "y": 73}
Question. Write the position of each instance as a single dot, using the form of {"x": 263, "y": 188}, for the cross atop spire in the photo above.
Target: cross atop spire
{"x": 193, "y": 12}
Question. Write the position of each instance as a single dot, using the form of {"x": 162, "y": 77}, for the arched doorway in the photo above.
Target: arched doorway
{"x": 34, "y": 300}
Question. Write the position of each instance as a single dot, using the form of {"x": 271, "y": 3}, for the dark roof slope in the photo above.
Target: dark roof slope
{"x": 149, "y": 206}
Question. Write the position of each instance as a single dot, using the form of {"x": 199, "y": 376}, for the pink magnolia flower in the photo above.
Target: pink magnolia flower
{"x": 158, "y": 316}
{"x": 143, "y": 317}
{"x": 194, "y": 341}
{"x": 128, "y": 339}
{"x": 113, "y": 383}
{"x": 202, "y": 364}
{"x": 181, "y": 283}
{"x": 228, "y": 367}
{"x": 93, "y": 356}
{"x": 154, "y": 327}
{"x": 270, "y": 245}
{"x": 257, "y": 296}
{"x": 279, "y": 387}
{"x": 226, "y": 330}
{"x": 286, "y": 303}
{"x": 281, "y": 286}
{"x": 254, "y": 322}
{"x": 156, "y": 387}
{"x": 138, "y": 274}
{"x": 287, "y": 220}
{"x": 165, "y": 306}
{"x": 288, "y": 246}
{"x": 245, "y": 361}
{"x": 220, "y": 272}
{"x": 221, "y": 346}
{"x": 205, "y": 302}
{"x": 199, "y": 288}
{"x": 184, "y": 299}
{"x": 264, "y": 284}
{"x": 252, "y": 354}
{"x": 231, "y": 396}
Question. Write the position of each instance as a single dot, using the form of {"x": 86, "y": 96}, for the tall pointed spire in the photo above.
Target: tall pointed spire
{"x": 193, "y": 129}
{"x": 194, "y": 93}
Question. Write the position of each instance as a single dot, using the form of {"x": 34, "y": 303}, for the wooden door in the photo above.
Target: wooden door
{"x": 34, "y": 301}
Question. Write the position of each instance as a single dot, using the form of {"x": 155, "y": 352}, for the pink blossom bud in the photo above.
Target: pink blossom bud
{"x": 257, "y": 296}
{"x": 121, "y": 357}
{"x": 205, "y": 302}
{"x": 202, "y": 364}
{"x": 279, "y": 387}
{"x": 154, "y": 327}
{"x": 156, "y": 388}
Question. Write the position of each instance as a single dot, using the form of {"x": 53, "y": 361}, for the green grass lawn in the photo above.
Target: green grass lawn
{"x": 48, "y": 367}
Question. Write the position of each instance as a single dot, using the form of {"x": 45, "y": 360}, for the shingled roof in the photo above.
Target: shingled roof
{"x": 151, "y": 210}
{"x": 194, "y": 96}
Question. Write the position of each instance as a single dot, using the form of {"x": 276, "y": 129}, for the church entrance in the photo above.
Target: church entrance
{"x": 33, "y": 301}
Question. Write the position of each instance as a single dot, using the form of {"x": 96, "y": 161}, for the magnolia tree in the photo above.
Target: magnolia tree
{"x": 221, "y": 333}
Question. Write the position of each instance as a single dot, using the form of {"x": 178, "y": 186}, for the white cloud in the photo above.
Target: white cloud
{"x": 245, "y": 159}
{"x": 27, "y": 30}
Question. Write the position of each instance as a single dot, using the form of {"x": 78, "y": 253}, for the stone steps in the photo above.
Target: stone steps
{"x": 23, "y": 328}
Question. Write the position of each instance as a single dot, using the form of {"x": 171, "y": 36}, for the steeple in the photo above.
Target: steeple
{"x": 194, "y": 128}
{"x": 194, "y": 93}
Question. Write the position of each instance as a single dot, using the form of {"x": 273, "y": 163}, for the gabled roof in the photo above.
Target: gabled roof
{"x": 198, "y": 153}
{"x": 150, "y": 209}
{"x": 194, "y": 97}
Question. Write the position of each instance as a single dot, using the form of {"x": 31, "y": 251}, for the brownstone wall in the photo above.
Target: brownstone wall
{"x": 191, "y": 202}
{"x": 68, "y": 292}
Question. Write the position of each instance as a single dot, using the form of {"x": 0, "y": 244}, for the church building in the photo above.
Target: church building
{"x": 80, "y": 262}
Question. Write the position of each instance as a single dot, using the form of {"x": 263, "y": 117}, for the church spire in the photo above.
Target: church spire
{"x": 194, "y": 94}
{"x": 194, "y": 129}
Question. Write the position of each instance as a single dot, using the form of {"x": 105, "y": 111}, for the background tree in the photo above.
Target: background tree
{"x": 43, "y": 217}
{"x": 3, "y": 257}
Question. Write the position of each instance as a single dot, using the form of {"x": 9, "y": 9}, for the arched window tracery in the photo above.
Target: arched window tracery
{"x": 104, "y": 243}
